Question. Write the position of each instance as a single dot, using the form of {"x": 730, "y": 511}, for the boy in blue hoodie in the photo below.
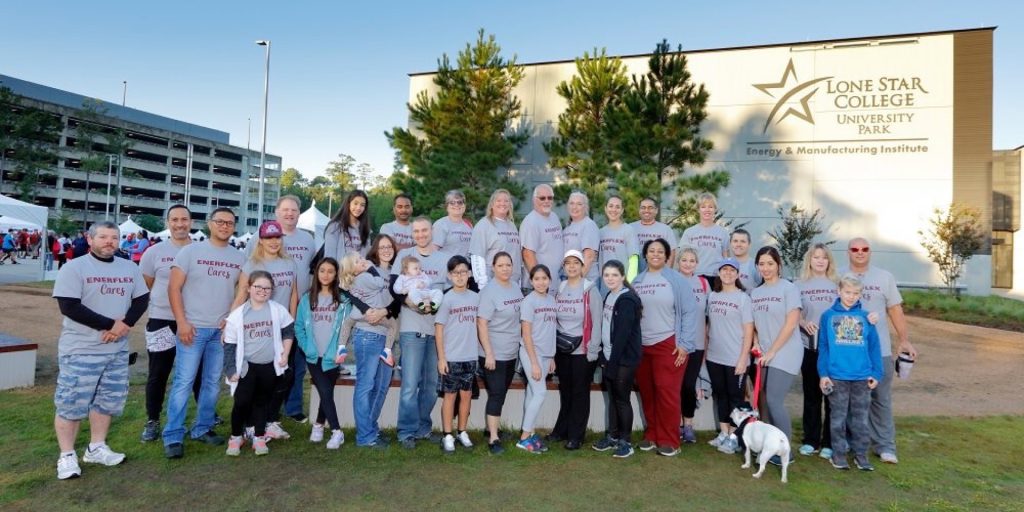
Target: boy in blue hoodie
{"x": 850, "y": 366}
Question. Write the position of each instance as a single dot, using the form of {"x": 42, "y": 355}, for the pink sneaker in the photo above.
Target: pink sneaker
{"x": 387, "y": 358}
{"x": 259, "y": 445}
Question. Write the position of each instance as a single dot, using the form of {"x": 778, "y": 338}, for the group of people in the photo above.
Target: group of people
{"x": 19, "y": 243}
{"x": 458, "y": 302}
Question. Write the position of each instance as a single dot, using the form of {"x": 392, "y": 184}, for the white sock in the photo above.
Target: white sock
{"x": 68, "y": 454}
{"x": 95, "y": 446}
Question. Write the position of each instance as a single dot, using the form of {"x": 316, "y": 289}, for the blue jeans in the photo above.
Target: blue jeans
{"x": 205, "y": 347}
{"x": 372, "y": 381}
{"x": 48, "y": 259}
{"x": 293, "y": 404}
{"x": 419, "y": 384}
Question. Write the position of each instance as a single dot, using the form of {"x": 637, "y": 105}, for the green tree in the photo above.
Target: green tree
{"x": 954, "y": 238}
{"x": 796, "y": 233}
{"x": 687, "y": 190}
{"x": 150, "y": 223}
{"x": 62, "y": 223}
{"x": 462, "y": 135}
{"x": 584, "y": 145}
{"x": 341, "y": 172}
{"x": 295, "y": 184}
{"x": 34, "y": 141}
{"x": 657, "y": 130}
{"x": 95, "y": 145}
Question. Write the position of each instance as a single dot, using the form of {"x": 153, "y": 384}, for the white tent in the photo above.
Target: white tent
{"x": 163, "y": 235}
{"x": 8, "y": 222}
{"x": 315, "y": 222}
{"x": 129, "y": 227}
{"x": 246, "y": 237}
{"x": 198, "y": 236}
{"x": 27, "y": 212}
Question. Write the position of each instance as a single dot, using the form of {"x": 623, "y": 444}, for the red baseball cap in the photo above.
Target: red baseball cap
{"x": 271, "y": 229}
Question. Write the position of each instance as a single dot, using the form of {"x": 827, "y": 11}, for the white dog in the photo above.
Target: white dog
{"x": 758, "y": 436}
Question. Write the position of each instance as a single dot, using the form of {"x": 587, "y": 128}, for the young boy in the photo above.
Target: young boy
{"x": 457, "y": 343}
{"x": 850, "y": 366}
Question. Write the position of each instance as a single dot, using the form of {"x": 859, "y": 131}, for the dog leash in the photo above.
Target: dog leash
{"x": 756, "y": 352}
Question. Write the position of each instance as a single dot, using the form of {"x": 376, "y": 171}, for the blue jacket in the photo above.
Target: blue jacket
{"x": 685, "y": 305}
{"x": 848, "y": 346}
{"x": 304, "y": 332}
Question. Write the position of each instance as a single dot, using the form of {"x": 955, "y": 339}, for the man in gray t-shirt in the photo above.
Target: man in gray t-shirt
{"x": 541, "y": 233}
{"x": 101, "y": 297}
{"x": 202, "y": 285}
{"x": 880, "y": 295}
{"x": 400, "y": 230}
{"x": 649, "y": 228}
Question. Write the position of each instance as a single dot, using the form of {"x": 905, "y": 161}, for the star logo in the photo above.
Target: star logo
{"x": 804, "y": 112}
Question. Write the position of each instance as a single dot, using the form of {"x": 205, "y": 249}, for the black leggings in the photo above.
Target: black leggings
{"x": 252, "y": 395}
{"x": 620, "y": 409}
{"x": 689, "y": 392}
{"x": 727, "y": 389}
{"x": 324, "y": 382}
{"x": 575, "y": 374}
{"x": 280, "y": 394}
{"x": 496, "y": 382}
{"x": 814, "y": 433}
{"x": 161, "y": 365}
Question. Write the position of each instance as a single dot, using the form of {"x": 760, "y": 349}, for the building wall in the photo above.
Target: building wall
{"x": 862, "y": 129}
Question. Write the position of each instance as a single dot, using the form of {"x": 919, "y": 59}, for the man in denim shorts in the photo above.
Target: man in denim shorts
{"x": 101, "y": 298}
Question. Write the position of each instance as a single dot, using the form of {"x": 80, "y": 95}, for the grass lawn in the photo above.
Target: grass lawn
{"x": 992, "y": 311}
{"x": 946, "y": 464}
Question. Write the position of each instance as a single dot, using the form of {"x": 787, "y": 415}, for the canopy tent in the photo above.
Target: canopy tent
{"x": 198, "y": 236}
{"x": 163, "y": 235}
{"x": 8, "y": 222}
{"x": 315, "y": 222}
{"x": 129, "y": 227}
{"x": 26, "y": 212}
{"x": 246, "y": 237}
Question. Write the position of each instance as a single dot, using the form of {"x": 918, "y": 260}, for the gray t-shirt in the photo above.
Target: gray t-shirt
{"x": 490, "y": 238}
{"x": 654, "y": 231}
{"x": 658, "y": 321}
{"x": 500, "y": 306}
{"x": 749, "y": 275}
{"x": 211, "y": 275}
{"x": 771, "y": 305}
{"x": 434, "y": 266}
{"x": 816, "y": 296}
{"x": 453, "y": 237}
{"x": 709, "y": 242}
{"x": 728, "y": 312}
{"x": 543, "y": 235}
{"x": 606, "y": 321}
{"x": 259, "y": 334}
{"x": 879, "y": 293}
{"x": 323, "y": 315}
{"x": 301, "y": 246}
{"x": 701, "y": 289}
{"x": 458, "y": 316}
{"x": 373, "y": 291}
{"x": 402, "y": 235}
{"x": 338, "y": 244}
{"x": 618, "y": 243}
{"x": 542, "y": 313}
{"x": 156, "y": 263}
{"x": 107, "y": 288}
{"x": 580, "y": 235}
{"x": 284, "y": 273}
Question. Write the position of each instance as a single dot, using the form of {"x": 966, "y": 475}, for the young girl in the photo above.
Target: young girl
{"x": 622, "y": 348}
{"x": 539, "y": 315}
{"x": 457, "y": 343}
{"x": 349, "y": 229}
{"x": 368, "y": 339}
{"x": 321, "y": 312}
{"x": 414, "y": 283}
{"x": 730, "y": 335}
{"x": 257, "y": 341}
{"x": 687, "y": 266}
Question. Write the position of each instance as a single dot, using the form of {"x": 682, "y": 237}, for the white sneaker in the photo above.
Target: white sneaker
{"x": 448, "y": 443}
{"x": 889, "y": 458}
{"x": 103, "y": 455}
{"x": 716, "y": 442}
{"x": 337, "y": 439}
{"x": 274, "y": 431}
{"x": 67, "y": 467}
{"x": 464, "y": 439}
{"x": 317, "y": 434}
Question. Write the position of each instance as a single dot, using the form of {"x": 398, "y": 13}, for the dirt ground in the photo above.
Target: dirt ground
{"x": 961, "y": 370}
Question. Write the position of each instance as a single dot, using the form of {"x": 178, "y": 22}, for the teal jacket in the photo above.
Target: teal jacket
{"x": 304, "y": 332}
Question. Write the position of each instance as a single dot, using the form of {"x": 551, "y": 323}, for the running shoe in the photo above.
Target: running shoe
{"x": 623, "y": 450}
{"x": 606, "y": 443}
{"x": 274, "y": 431}
{"x": 67, "y": 467}
{"x": 317, "y": 434}
{"x": 103, "y": 455}
{"x": 337, "y": 439}
{"x": 235, "y": 446}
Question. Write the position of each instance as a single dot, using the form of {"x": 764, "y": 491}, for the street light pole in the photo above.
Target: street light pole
{"x": 263, "y": 150}
{"x": 110, "y": 170}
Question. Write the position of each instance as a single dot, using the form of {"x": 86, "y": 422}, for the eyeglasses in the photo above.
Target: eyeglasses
{"x": 263, "y": 289}
{"x": 221, "y": 222}
{"x": 456, "y": 202}
{"x": 546, "y": 198}
{"x": 860, "y": 249}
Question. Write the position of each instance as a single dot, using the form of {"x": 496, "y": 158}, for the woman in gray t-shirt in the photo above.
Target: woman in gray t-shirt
{"x": 494, "y": 233}
{"x": 818, "y": 290}
{"x": 539, "y": 321}
{"x": 453, "y": 232}
{"x": 776, "y": 319}
{"x": 618, "y": 240}
{"x": 701, "y": 287}
{"x": 710, "y": 239}
{"x": 500, "y": 331}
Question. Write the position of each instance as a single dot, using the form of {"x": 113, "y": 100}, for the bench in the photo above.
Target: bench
{"x": 511, "y": 413}
{"x": 17, "y": 362}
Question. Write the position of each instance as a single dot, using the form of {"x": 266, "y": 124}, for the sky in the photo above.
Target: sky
{"x": 339, "y": 70}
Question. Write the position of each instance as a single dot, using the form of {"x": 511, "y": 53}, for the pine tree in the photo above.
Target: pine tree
{"x": 584, "y": 146}
{"x": 461, "y": 136}
{"x": 658, "y": 134}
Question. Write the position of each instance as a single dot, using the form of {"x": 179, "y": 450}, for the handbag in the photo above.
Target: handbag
{"x": 566, "y": 344}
